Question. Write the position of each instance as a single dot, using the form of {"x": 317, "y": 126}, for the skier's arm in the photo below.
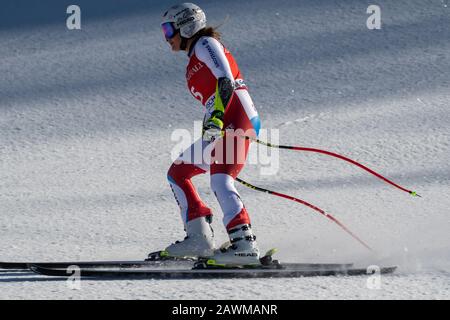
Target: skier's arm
{"x": 211, "y": 52}
{"x": 224, "y": 92}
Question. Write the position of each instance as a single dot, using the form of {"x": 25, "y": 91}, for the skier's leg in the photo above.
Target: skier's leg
{"x": 191, "y": 206}
{"x": 229, "y": 156}
{"x": 228, "y": 159}
{"x": 234, "y": 212}
{"x": 222, "y": 181}
{"x": 186, "y": 166}
{"x": 195, "y": 214}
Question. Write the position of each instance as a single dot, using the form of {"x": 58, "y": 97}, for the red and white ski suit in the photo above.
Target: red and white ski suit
{"x": 209, "y": 60}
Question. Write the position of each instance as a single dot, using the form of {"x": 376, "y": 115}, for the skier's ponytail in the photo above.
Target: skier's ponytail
{"x": 212, "y": 31}
{"x": 209, "y": 32}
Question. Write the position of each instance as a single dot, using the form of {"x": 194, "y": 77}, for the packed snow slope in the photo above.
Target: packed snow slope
{"x": 86, "y": 119}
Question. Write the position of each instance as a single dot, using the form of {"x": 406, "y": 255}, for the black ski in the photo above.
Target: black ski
{"x": 91, "y": 264}
{"x": 14, "y": 265}
{"x": 17, "y": 266}
{"x": 281, "y": 271}
{"x": 154, "y": 259}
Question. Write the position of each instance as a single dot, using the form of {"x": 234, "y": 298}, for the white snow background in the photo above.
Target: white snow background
{"x": 86, "y": 118}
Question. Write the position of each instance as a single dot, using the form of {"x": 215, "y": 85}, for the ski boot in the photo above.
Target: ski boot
{"x": 199, "y": 242}
{"x": 241, "y": 251}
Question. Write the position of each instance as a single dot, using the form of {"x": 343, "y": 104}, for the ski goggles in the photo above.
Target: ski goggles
{"x": 169, "y": 30}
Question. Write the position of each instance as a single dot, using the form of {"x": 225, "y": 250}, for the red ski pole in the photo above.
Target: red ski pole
{"x": 413, "y": 193}
{"x": 329, "y": 216}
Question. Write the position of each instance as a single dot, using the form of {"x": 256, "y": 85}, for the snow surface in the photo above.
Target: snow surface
{"x": 86, "y": 119}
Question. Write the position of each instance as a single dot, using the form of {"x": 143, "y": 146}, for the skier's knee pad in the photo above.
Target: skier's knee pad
{"x": 182, "y": 171}
{"x": 222, "y": 183}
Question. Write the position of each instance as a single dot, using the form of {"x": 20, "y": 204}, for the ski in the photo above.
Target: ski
{"x": 157, "y": 258}
{"x": 90, "y": 264}
{"x": 18, "y": 266}
{"x": 26, "y": 265}
{"x": 280, "y": 271}
{"x": 13, "y": 266}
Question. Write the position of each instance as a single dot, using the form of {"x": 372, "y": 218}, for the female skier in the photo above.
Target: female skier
{"x": 213, "y": 78}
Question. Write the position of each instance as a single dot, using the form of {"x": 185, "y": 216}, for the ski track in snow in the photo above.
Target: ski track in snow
{"x": 86, "y": 119}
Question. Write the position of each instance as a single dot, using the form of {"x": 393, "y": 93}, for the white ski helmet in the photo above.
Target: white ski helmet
{"x": 186, "y": 17}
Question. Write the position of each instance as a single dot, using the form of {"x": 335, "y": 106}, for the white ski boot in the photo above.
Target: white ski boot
{"x": 241, "y": 251}
{"x": 199, "y": 241}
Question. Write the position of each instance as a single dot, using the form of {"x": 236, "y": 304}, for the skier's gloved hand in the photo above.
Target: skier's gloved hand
{"x": 212, "y": 129}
